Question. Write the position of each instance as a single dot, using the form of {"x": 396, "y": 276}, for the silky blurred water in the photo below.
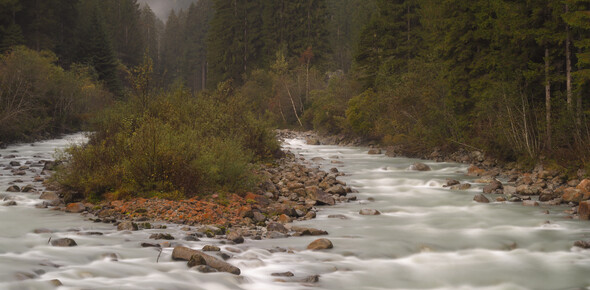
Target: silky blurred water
{"x": 427, "y": 237}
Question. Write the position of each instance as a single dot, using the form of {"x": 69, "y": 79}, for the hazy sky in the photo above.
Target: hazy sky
{"x": 162, "y": 7}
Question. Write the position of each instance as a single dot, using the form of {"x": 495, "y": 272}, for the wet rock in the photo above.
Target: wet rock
{"x": 481, "y": 198}
{"x": 28, "y": 188}
{"x": 451, "y": 182}
{"x": 14, "y": 163}
{"x": 211, "y": 248}
{"x": 317, "y": 159}
{"x": 235, "y": 237}
{"x": 509, "y": 190}
{"x": 55, "y": 282}
{"x": 303, "y": 231}
{"x": 76, "y": 207}
{"x": 320, "y": 244}
{"x": 464, "y": 186}
{"x": 19, "y": 173}
{"x": 10, "y": 203}
{"x": 149, "y": 245}
{"x": 65, "y": 242}
{"x": 51, "y": 198}
{"x": 544, "y": 197}
{"x": 584, "y": 186}
{"x": 283, "y": 274}
{"x": 494, "y": 187}
{"x": 337, "y": 216}
{"x": 205, "y": 269}
{"x": 277, "y": 227}
{"x": 184, "y": 253}
{"x": 374, "y": 151}
{"x": 110, "y": 256}
{"x": 336, "y": 189}
{"x": 127, "y": 226}
{"x": 500, "y": 199}
{"x": 196, "y": 260}
{"x": 13, "y": 188}
{"x": 582, "y": 244}
{"x": 319, "y": 196}
{"x": 368, "y": 211}
{"x": 419, "y": 166}
{"x": 334, "y": 170}
{"x": 276, "y": 235}
{"x": 584, "y": 210}
{"x": 311, "y": 279}
{"x": 161, "y": 236}
{"x": 527, "y": 190}
{"x": 224, "y": 256}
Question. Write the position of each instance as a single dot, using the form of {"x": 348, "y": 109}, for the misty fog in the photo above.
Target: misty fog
{"x": 162, "y": 7}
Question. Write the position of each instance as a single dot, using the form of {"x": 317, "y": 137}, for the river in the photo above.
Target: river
{"x": 427, "y": 237}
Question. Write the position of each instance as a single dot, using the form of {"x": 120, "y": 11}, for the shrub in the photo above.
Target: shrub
{"x": 179, "y": 145}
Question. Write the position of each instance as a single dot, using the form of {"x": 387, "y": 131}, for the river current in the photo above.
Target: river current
{"x": 427, "y": 237}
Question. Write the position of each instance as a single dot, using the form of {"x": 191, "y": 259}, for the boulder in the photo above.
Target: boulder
{"x": 65, "y": 242}
{"x": 374, "y": 151}
{"x": 527, "y": 190}
{"x": 584, "y": 186}
{"x": 51, "y": 197}
{"x": 127, "y": 226}
{"x": 258, "y": 217}
{"x": 196, "y": 260}
{"x": 184, "y": 253}
{"x": 276, "y": 227}
{"x": 571, "y": 194}
{"x": 235, "y": 237}
{"x": 368, "y": 211}
{"x": 76, "y": 207}
{"x": 584, "y": 210}
{"x": 337, "y": 189}
{"x": 494, "y": 187}
{"x": 481, "y": 198}
{"x": 320, "y": 244}
{"x": 418, "y": 166}
{"x": 13, "y": 188}
{"x": 318, "y": 195}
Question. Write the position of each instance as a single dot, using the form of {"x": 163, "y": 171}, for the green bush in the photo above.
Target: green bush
{"x": 178, "y": 145}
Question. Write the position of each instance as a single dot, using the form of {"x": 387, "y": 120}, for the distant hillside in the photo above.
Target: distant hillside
{"x": 162, "y": 8}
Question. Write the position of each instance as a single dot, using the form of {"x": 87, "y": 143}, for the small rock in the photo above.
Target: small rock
{"x": 368, "y": 211}
{"x": 149, "y": 245}
{"x": 582, "y": 244}
{"x": 464, "y": 186}
{"x": 275, "y": 235}
{"x": 311, "y": 279}
{"x": 283, "y": 274}
{"x": 211, "y": 248}
{"x": 235, "y": 237}
{"x": 337, "y": 216}
{"x": 309, "y": 231}
{"x": 374, "y": 151}
{"x": 13, "y": 188}
{"x": 500, "y": 199}
{"x": 161, "y": 236}
{"x": 110, "y": 256}
{"x": 258, "y": 217}
{"x": 418, "y": 166}
{"x": 28, "y": 188}
{"x": 55, "y": 282}
{"x": 127, "y": 226}
{"x": 481, "y": 198}
{"x": 320, "y": 244}
{"x": 451, "y": 182}
{"x": 10, "y": 203}
{"x": 14, "y": 163}
{"x": 65, "y": 242}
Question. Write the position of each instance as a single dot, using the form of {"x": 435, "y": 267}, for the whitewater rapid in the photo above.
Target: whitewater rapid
{"x": 427, "y": 237}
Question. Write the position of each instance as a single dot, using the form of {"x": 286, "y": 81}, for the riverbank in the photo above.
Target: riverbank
{"x": 501, "y": 182}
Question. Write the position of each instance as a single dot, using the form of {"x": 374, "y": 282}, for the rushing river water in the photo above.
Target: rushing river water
{"x": 427, "y": 237}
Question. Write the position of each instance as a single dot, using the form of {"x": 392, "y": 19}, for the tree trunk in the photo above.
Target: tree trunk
{"x": 293, "y": 104}
{"x": 568, "y": 65}
{"x": 547, "y": 99}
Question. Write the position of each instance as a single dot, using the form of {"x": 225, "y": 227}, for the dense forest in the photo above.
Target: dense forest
{"x": 510, "y": 78}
